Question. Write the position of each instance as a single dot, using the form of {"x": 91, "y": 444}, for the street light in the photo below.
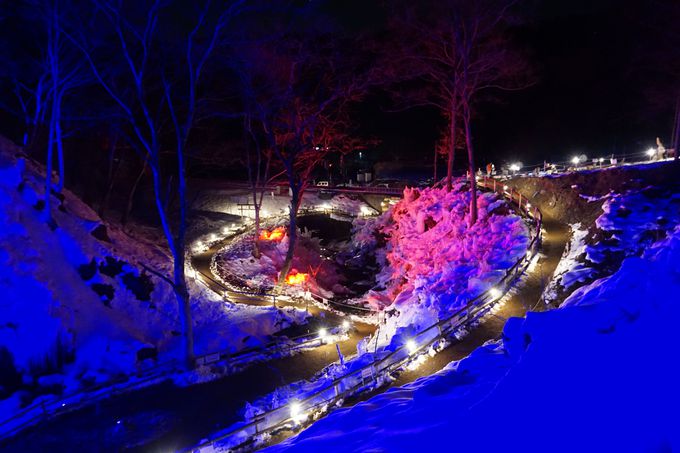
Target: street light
{"x": 514, "y": 167}
{"x": 575, "y": 160}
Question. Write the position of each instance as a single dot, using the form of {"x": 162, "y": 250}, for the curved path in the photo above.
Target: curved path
{"x": 528, "y": 297}
{"x": 165, "y": 417}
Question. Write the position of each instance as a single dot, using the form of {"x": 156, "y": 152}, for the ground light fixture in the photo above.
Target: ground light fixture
{"x": 495, "y": 293}
{"x": 296, "y": 412}
{"x": 366, "y": 210}
{"x": 411, "y": 346}
{"x": 323, "y": 333}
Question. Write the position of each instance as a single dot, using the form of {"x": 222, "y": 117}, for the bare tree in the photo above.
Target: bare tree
{"x": 160, "y": 74}
{"x": 297, "y": 85}
{"x": 460, "y": 48}
{"x": 56, "y": 72}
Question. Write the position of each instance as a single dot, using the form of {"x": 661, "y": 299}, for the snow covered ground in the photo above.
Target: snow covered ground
{"x": 431, "y": 262}
{"x": 598, "y": 374}
{"x": 235, "y": 263}
{"x": 239, "y": 202}
{"x": 629, "y": 224}
{"x": 78, "y": 309}
{"x": 443, "y": 264}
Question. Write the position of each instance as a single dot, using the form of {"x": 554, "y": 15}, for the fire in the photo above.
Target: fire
{"x": 274, "y": 235}
{"x": 296, "y": 278}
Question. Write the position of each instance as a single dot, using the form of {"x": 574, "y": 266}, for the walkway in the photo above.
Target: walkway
{"x": 527, "y": 298}
{"x": 165, "y": 417}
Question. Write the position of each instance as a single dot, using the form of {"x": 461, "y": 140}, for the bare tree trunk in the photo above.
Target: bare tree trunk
{"x": 434, "y": 165}
{"x": 48, "y": 175}
{"x": 184, "y": 305}
{"x": 452, "y": 146}
{"x": 131, "y": 196}
{"x": 183, "y": 299}
{"x": 292, "y": 234}
{"x": 254, "y": 181}
{"x": 110, "y": 178}
{"x": 59, "y": 142}
{"x": 471, "y": 166}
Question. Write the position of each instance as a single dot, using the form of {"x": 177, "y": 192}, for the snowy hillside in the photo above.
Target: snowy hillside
{"x": 77, "y": 307}
{"x": 628, "y": 224}
{"x": 598, "y": 374}
{"x": 431, "y": 262}
{"x": 443, "y": 264}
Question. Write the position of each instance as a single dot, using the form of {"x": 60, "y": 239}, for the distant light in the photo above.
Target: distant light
{"x": 495, "y": 293}
{"x": 411, "y": 346}
{"x": 514, "y": 167}
{"x": 528, "y": 205}
{"x": 213, "y": 237}
{"x": 117, "y": 422}
{"x": 265, "y": 213}
{"x": 323, "y": 333}
{"x": 317, "y": 148}
{"x": 505, "y": 187}
{"x": 601, "y": 159}
{"x": 360, "y": 154}
{"x": 345, "y": 324}
{"x": 365, "y": 210}
{"x": 651, "y": 152}
{"x": 63, "y": 404}
{"x": 233, "y": 225}
{"x": 575, "y": 160}
{"x": 324, "y": 206}
{"x": 225, "y": 230}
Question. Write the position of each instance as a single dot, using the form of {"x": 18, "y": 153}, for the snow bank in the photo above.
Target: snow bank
{"x": 77, "y": 303}
{"x": 235, "y": 263}
{"x": 239, "y": 203}
{"x": 432, "y": 262}
{"x": 599, "y": 374}
{"x": 629, "y": 224}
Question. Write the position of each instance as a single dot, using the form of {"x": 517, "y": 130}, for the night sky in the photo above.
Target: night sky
{"x": 596, "y": 90}
{"x": 591, "y": 95}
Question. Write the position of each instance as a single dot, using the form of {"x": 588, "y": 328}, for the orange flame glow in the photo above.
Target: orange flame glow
{"x": 274, "y": 235}
{"x": 296, "y": 278}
